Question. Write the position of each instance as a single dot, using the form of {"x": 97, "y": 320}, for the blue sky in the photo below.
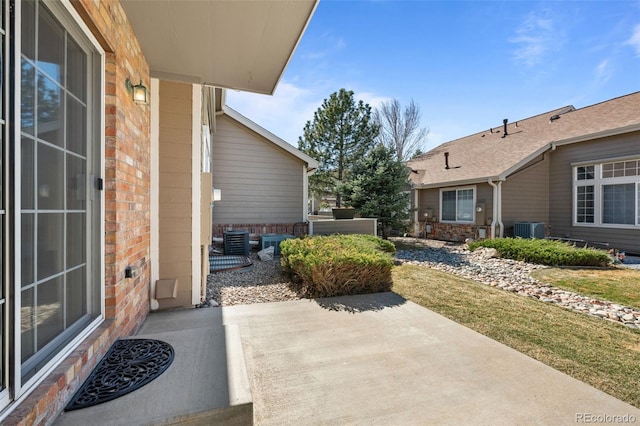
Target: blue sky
{"x": 467, "y": 64}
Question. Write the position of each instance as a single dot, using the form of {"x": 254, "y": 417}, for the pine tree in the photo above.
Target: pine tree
{"x": 341, "y": 132}
{"x": 377, "y": 188}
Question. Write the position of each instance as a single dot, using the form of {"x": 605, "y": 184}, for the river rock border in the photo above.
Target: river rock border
{"x": 484, "y": 266}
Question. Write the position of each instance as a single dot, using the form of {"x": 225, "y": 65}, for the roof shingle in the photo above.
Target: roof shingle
{"x": 491, "y": 154}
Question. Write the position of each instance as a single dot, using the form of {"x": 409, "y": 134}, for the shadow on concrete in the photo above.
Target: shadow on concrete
{"x": 207, "y": 382}
{"x": 361, "y": 303}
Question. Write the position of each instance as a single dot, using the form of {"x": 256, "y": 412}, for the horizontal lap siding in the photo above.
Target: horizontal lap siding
{"x": 525, "y": 195}
{"x": 175, "y": 178}
{"x": 561, "y": 183}
{"x": 430, "y": 199}
{"x": 260, "y": 182}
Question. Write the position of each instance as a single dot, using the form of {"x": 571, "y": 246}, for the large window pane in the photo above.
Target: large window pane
{"x": 618, "y": 204}
{"x": 28, "y": 40}
{"x": 27, "y": 244}
{"x": 27, "y": 97}
{"x": 76, "y": 239}
{"x": 50, "y": 45}
{"x": 449, "y": 205}
{"x": 76, "y": 306}
{"x": 27, "y": 168}
{"x": 76, "y": 126}
{"x": 50, "y": 178}
{"x": 49, "y": 107}
{"x": 50, "y": 249}
{"x": 465, "y": 205}
{"x": 50, "y": 318}
{"x": 76, "y": 183}
{"x": 27, "y": 323}
{"x": 76, "y": 80}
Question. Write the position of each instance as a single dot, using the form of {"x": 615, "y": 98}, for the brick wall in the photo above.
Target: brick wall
{"x": 127, "y": 170}
{"x": 127, "y": 212}
{"x": 257, "y": 229}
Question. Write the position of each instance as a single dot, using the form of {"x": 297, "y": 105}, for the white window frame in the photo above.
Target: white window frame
{"x": 456, "y": 189}
{"x": 65, "y": 12}
{"x": 598, "y": 182}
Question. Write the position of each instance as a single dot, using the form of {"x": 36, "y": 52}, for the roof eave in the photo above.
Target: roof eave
{"x": 239, "y": 45}
{"x": 598, "y": 135}
{"x": 462, "y": 182}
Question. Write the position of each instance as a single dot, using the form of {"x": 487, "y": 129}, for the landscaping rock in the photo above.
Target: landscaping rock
{"x": 514, "y": 276}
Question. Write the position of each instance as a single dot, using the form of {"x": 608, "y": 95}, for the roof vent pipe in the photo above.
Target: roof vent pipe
{"x": 446, "y": 161}
{"x": 504, "y": 122}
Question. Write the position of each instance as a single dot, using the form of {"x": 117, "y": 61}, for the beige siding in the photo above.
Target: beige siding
{"x": 525, "y": 194}
{"x": 175, "y": 227}
{"x": 343, "y": 226}
{"x": 561, "y": 184}
{"x": 260, "y": 182}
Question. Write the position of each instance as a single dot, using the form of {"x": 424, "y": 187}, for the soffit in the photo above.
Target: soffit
{"x": 243, "y": 45}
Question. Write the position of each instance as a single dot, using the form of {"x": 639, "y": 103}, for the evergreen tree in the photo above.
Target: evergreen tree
{"x": 377, "y": 186}
{"x": 341, "y": 132}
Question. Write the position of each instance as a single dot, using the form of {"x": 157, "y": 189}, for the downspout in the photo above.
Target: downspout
{"x": 497, "y": 209}
{"x": 500, "y": 209}
{"x": 416, "y": 225}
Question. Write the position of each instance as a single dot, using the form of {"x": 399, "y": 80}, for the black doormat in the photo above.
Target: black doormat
{"x": 128, "y": 365}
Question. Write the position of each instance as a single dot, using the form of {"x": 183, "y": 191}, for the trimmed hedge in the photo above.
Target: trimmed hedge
{"x": 545, "y": 252}
{"x": 338, "y": 265}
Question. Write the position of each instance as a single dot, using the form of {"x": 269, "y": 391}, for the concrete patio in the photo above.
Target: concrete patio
{"x": 371, "y": 359}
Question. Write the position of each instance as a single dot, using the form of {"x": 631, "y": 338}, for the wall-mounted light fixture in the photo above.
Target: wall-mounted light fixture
{"x": 138, "y": 92}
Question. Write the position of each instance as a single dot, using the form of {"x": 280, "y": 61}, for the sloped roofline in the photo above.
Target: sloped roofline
{"x": 577, "y": 139}
{"x": 549, "y": 145}
{"x": 312, "y": 164}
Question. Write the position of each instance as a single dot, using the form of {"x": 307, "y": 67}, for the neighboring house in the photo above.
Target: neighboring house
{"x": 102, "y": 197}
{"x": 262, "y": 179}
{"x": 574, "y": 172}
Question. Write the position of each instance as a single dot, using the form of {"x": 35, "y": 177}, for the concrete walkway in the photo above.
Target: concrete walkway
{"x": 372, "y": 359}
{"x": 378, "y": 359}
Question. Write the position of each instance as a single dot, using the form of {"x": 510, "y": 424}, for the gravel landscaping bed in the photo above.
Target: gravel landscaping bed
{"x": 265, "y": 282}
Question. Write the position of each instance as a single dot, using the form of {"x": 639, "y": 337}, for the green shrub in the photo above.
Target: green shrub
{"x": 338, "y": 265}
{"x": 545, "y": 252}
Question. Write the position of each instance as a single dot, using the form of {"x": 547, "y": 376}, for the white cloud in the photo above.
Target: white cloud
{"x": 374, "y": 101}
{"x": 535, "y": 37}
{"x": 603, "y": 72}
{"x": 634, "y": 40}
{"x": 284, "y": 114}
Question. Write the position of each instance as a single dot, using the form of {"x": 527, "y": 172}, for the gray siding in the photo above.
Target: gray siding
{"x": 525, "y": 194}
{"x": 260, "y": 182}
{"x": 560, "y": 190}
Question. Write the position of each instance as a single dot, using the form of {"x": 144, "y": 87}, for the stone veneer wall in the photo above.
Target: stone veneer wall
{"x": 127, "y": 212}
{"x": 455, "y": 232}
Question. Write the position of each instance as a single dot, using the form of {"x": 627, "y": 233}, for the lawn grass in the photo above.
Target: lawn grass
{"x": 600, "y": 353}
{"x": 615, "y": 285}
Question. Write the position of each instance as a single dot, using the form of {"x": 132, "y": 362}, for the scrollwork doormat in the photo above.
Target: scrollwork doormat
{"x": 128, "y": 365}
